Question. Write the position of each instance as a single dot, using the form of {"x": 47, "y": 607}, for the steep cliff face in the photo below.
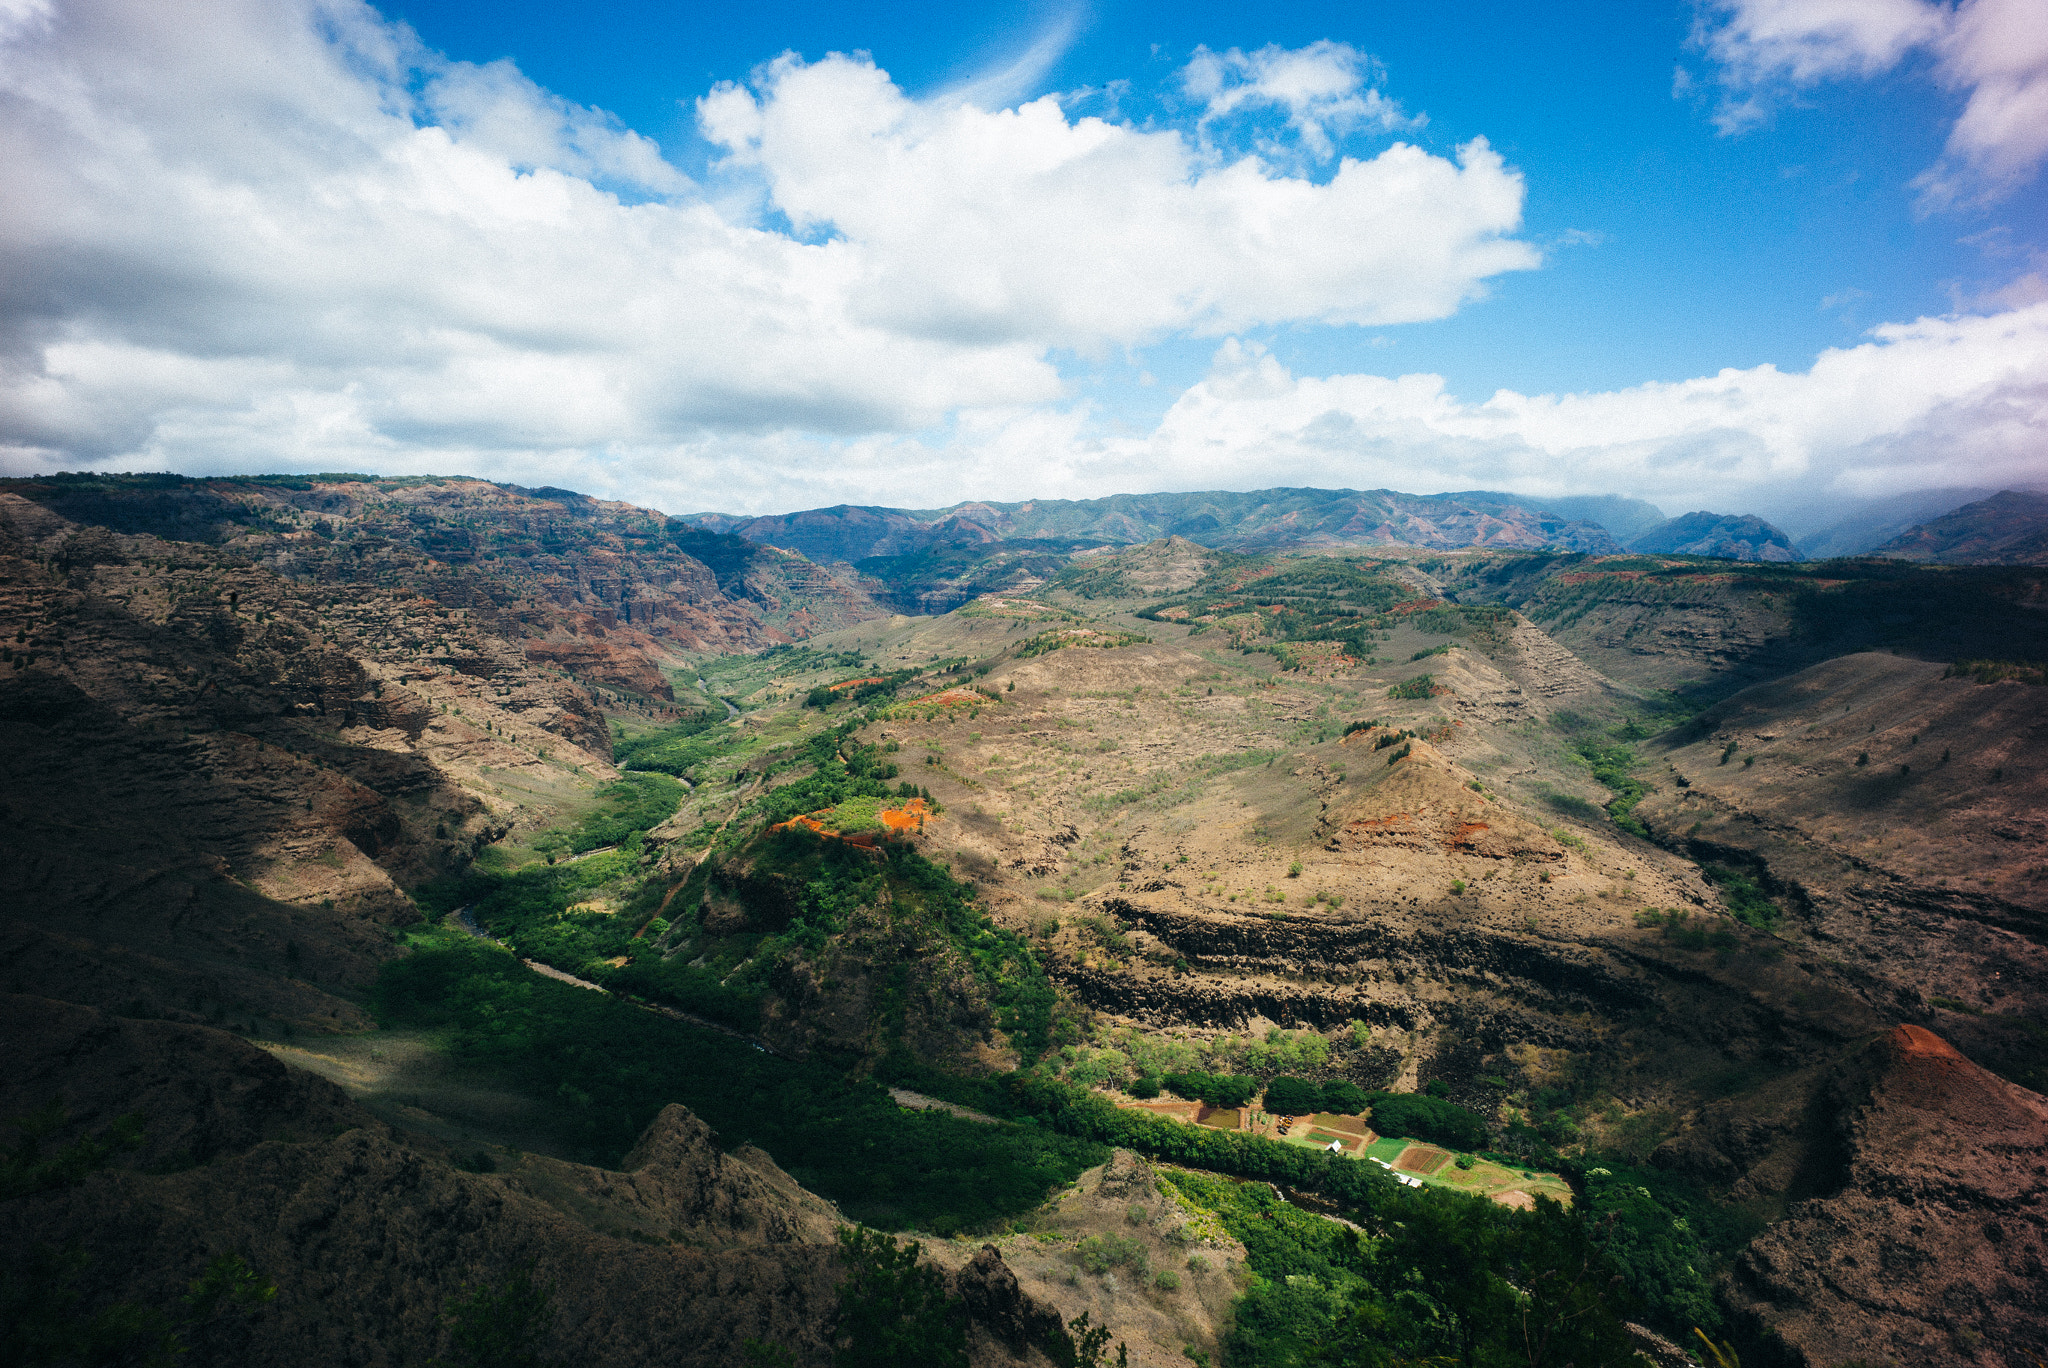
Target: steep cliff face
{"x": 1928, "y": 1246}
{"x": 222, "y": 780}
{"x": 1895, "y": 808}
{"x": 607, "y": 590}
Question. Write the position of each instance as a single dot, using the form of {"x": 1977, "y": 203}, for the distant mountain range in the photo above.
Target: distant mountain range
{"x": 1258, "y": 520}
{"x": 2009, "y": 528}
{"x": 1856, "y": 528}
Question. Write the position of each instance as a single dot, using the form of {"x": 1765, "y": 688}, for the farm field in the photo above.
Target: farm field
{"x": 1435, "y": 1166}
{"x": 1414, "y": 1160}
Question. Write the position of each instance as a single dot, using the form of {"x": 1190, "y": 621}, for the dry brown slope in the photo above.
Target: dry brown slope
{"x": 1930, "y": 1251}
{"x": 1899, "y": 814}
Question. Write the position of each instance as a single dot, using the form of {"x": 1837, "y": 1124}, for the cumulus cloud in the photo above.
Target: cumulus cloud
{"x": 264, "y": 232}
{"x": 1023, "y": 225}
{"x": 279, "y": 234}
{"x": 1996, "y": 51}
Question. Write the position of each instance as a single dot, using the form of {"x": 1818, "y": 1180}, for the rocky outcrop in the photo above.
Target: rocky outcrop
{"x": 1025, "y": 1284}
{"x": 999, "y": 1305}
{"x": 1930, "y": 1246}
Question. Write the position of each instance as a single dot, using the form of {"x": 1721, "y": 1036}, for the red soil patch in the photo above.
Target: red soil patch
{"x": 1422, "y": 1159}
{"x": 1217, "y": 1118}
{"x": 907, "y": 820}
{"x": 1516, "y": 1198}
{"x": 1465, "y": 835}
{"x": 853, "y": 683}
{"x": 1925, "y": 1072}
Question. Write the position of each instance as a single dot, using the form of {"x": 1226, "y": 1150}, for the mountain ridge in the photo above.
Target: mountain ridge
{"x": 2009, "y": 528}
{"x": 1230, "y": 520}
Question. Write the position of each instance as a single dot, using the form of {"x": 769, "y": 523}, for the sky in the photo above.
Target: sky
{"x": 1775, "y": 256}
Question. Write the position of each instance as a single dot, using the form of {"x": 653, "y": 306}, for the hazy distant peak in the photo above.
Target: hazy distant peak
{"x": 1724, "y": 536}
{"x": 2009, "y": 528}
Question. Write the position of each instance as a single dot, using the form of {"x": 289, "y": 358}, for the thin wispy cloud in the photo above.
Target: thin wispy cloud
{"x": 1024, "y": 75}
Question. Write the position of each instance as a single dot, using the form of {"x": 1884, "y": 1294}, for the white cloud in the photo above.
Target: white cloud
{"x": 1023, "y": 225}
{"x": 1995, "y": 50}
{"x": 1322, "y": 88}
{"x": 283, "y": 236}
{"x": 1998, "y": 51}
{"x": 1938, "y": 401}
{"x": 266, "y": 231}
{"x": 1934, "y": 403}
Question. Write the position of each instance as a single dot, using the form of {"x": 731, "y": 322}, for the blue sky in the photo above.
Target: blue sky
{"x": 1707, "y": 251}
{"x": 1767, "y": 253}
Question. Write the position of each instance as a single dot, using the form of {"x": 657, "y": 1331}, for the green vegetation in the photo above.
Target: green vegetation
{"x": 1290, "y": 1096}
{"x": 1428, "y": 1118}
{"x": 1612, "y": 764}
{"x": 503, "y": 1326}
{"x": 893, "y": 1311}
{"x": 630, "y": 806}
{"x": 680, "y": 749}
{"x": 1439, "y": 1278}
{"x": 607, "y": 1068}
{"x": 1998, "y": 671}
{"x": 866, "y": 691}
{"x": 1422, "y": 686}
{"x": 1342, "y": 602}
{"x": 43, "y": 1320}
{"x": 1669, "y": 1237}
{"x": 25, "y": 1169}
{"x": 1062, "y": 637}
{"x": 1689, "y": 932}
{"x": 1744, "y": 895}
{"x": 1217, "y": 1090}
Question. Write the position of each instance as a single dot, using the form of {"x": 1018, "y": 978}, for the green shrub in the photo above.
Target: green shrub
{"x": 1345, "y": 1098}
{"x": 1429, "y": 1118}
{"x": 1100, "y": 1253}
{"x": 1293, "y": 1096}
{"x": 1218, "y": 1090}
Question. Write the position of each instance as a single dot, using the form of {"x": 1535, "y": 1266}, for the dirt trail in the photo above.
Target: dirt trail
{"x": 919, "y": 1102}
{"x": 467, "y": 923}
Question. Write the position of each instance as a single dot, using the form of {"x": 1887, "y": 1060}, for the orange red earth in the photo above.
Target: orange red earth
{"x": 897, "y": 823}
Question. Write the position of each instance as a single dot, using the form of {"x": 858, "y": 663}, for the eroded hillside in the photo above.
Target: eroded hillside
{"x": 1613, "y": 867}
